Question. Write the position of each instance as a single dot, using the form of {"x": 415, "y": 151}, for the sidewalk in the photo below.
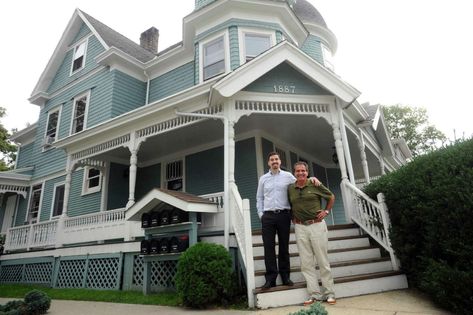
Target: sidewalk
{"x": 402, "y": 302}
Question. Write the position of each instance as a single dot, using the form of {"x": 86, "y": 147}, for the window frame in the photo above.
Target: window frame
{"x": 73, "y": 114}
{"x": 226, "y": 54}
{"x": 53, "y": 200}
{"x": 328, "y": 57}
{"x": 86, "y": 190}
{"x": 58, "y": 110}
{"x": 166, "y": 179}
{"x": 242, "y": 32}
{"x": 84, "y": 56}
{"x": 28, "y": 217}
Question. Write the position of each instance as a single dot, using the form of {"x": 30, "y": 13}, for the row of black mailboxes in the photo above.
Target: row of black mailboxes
{"x": 164, "y": 217}
{"x": 164, "y": 245}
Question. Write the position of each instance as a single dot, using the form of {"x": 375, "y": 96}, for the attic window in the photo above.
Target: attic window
{"x": 78, "y": 58}
{"x": 255, "y": 44}
{"x": 214, "y": 58}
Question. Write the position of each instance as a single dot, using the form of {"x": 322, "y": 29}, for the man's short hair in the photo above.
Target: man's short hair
{"x": 302, "y": 163}
{"x": 270, "y": 154}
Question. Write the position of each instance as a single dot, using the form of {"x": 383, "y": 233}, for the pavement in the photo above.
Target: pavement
{"x": 400, "y": 302}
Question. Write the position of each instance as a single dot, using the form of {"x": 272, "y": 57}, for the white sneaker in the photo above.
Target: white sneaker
{"x": 331, "y": 300}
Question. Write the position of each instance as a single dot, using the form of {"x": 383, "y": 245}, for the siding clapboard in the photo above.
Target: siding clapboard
{"x": 172, "y": 82}
{"x": 25, "y": 155}
{"x": 313, "y": 48}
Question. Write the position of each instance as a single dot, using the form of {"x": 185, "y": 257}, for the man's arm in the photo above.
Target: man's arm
{"x": 328, "y": 208}
{"x": 260, "y": 198}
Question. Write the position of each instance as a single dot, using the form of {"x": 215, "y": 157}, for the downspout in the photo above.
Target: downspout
{"x": 147, "y": 87}
{"x": 226, "y": 187}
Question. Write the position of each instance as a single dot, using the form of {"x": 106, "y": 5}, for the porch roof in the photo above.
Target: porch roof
{"x": 178, "y": 199}
{"x": 14, "y": 183}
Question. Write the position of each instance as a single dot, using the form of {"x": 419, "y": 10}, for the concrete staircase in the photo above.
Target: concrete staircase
{"x": 358, "y": 267}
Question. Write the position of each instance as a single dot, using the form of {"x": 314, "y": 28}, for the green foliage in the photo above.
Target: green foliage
{"x": 430, "y": 202}
{"x": 7, "y": 149}
{"x": 412, "y": 124}
{"x": 35, "y": 303}
{"x": 204, "y": 275}
{"x": 314, "y": 309}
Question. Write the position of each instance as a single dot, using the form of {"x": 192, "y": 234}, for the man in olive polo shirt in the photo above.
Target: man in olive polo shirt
{"x": 311, "y": 233}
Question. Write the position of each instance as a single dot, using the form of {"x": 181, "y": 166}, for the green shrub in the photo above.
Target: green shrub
{"x": 35, "y": 303}
{"x": 204, "y": 275}
{"x": 430, "y": 202}
{"x": 314, "y": 309}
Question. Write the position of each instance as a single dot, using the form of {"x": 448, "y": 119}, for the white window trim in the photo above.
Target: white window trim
{"x": 51, "y": 216}
{"x": 86, "y": 41}
{"x": 253, "y": 31}
{"x": 56, "y": 109}
{"x": 29, "y": 203}
{"x": 86, "y": 113}
{"x": 328, "y": 57}
{"x": 85, "y": 189}
{"x": 226, "y": 49}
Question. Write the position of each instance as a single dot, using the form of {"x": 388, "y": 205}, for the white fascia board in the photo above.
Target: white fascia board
{"x": 325, "y": 34}
{"x": 284, "y": 52}
{"x": 117, "y": 59}
{"x": 8, "y": 178}
{"x": 25, "y": 135}
{"x": 140, "y": 115}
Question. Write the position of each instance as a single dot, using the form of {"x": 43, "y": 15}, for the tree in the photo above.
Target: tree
{"x": 412, "y": 124}
{"x": 7, "y": 148}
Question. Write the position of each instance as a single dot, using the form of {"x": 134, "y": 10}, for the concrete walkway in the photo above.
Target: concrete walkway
{"x": 402, "y": 302}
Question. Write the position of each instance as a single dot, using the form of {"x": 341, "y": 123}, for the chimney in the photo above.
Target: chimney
{"x": 149, "y": 40}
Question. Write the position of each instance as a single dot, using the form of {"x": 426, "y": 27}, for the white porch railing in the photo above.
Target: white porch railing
{"x": 371, "y": 216}
{"x": 17, "y": 238}
{"x": 36, "y": 235}
{"x": 241, "y": 224}
{"x": 111, "y": 216}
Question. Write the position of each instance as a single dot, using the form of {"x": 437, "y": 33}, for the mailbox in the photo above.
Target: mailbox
{"x": 164, "y": 245}
{"x": 154, "y": 246}
{"x": 145, "y": 220}
{"x": 164, "y": 217}
{"x": 155, "y": 219}
{"x": 145, "y": 247}
{"x": 178, "y": 216}
{"x": 178, "y": 244}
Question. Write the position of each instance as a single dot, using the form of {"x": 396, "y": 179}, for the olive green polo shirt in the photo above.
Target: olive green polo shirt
{"x": 306, "y": 202}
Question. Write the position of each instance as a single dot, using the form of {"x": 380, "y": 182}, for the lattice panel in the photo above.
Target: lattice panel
{"x": 71, "y": 273}
{"x": 11, "y": 273}
{"x": 163, "y": 272}
{"x": 103, "y": 273}
{"x": 137, "y": 270}
{"x": 38, "y": 273}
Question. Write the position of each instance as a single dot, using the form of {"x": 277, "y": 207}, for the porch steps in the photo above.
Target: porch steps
{"x": 358, "y": 268}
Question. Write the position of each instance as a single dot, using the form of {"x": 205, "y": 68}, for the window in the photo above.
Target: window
{"x": 213, "y": 58}
{"x": 255, "y": 44}
{"x": 35, "y": 202}
{"x": 92, "y": 180}
{"x": 283, "y": 158}
{"x": 58, "y": 200}
{"x": 174, "y": 177}
{"x": 80, "y": 112}
{"x": 78, "y": 58}
{"x": 328, "y": 59}
{"x": 51, "y": 128}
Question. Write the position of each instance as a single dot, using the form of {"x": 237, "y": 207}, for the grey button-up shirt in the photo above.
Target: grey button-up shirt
{"x": 272, "y": 191}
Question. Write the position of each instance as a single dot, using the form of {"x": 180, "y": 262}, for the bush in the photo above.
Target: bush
{"x": 430, "y": 202}
{"x": 314, "y": 309}
{"x": 204, "y": 275}
{"x": 35, "y": 303}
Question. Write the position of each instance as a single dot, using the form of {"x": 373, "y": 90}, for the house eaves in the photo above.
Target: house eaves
{"x": 25, "y": 135}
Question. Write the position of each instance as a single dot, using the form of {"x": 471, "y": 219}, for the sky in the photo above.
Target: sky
{"x": 410, "y": 52}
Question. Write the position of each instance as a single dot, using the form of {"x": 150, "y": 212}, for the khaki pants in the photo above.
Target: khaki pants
{"x": 312, "y": 242}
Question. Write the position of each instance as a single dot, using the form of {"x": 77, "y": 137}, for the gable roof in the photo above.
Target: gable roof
{"x": 104, "y": 34}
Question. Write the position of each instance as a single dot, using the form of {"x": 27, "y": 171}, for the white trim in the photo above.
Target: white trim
{"x": 226, "y": 51}
{"x": 53, "y": 110}
{"x": 243, "y": 31}
{"x": 28, "y": 206}
{"x": 105, "y": 181}
{"x": 51, "y": 217}
{"x": 85, "y": 189}
{"x": 86, "y": 111}
{"x": 259, "y": 155}
{"x": 163, "y": 171}
{"x": 84, "y": 41}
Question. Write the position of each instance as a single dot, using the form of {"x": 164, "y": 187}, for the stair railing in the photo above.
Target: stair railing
{"x": 241, "y": 224}
{"x": 371, "y": 216}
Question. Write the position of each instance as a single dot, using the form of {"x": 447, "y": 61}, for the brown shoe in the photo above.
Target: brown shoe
{"x": 310, "y": 301}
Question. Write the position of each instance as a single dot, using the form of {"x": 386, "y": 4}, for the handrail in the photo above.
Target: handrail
{"x": 371, "y": 216}
{"x": 111, "y": 216}
{"x": 241, "y": 224}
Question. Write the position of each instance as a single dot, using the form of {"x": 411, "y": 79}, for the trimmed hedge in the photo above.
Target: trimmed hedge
{"x": 430, "y": 202}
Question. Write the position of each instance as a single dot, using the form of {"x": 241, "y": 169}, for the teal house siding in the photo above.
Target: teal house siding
{"x": 285, "y": 75}
{"x": 294, "y": 158}
{"x": 234, "y": 47}
{"x": 334, "y": 178}
{"x": 83, "y": 31}
{"x": 204, "y": 172}
{"x": 25, "y": 154}
{"x": 196, "y": 64}
{"x": 278, "y": 37}
{"x": 267, "y": 148}
{"x": 63, "y": 75}
{"x": 313, "y": 48}
{"x": 78, "y": 204}
{"x": 147, "y": 178}
{"x": 21, "y": 210}
{"x": 48, "y": 193}
{"x": 202, "y": 3}
{"x": 172, "y": 82}
{"x": 128, "y": 93}
{"x": 118, "y": 182}
{"x": 319, "y": 172}
{"x": 246, "y": 175}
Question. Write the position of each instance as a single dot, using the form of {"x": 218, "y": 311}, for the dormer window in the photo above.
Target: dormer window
{"x": 254, "y": 42}
{"x": 214, "y": 58}
{"x": 80, "y": 113}
{"x": 78, "y": 58}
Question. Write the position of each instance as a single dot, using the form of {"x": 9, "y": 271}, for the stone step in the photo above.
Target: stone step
{"x": 334, "y": 255}
{"x": 344, "y": 287}
{"x": 334, "y": 243}
{"x": 339, "y": 269}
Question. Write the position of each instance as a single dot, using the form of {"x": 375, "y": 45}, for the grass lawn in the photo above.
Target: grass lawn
{"x": 130, "y": 297}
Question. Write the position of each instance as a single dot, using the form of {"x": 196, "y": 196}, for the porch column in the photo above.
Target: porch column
{"x": 67, "y": 186}
{"x": 346, "y": 148}
{"x": 229, "y": 166}
{"x": 364, "y": 162}
{"x": 381, "y": 164}
{"x": 134, "y": 147}
{"x": 339, "y": 149}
